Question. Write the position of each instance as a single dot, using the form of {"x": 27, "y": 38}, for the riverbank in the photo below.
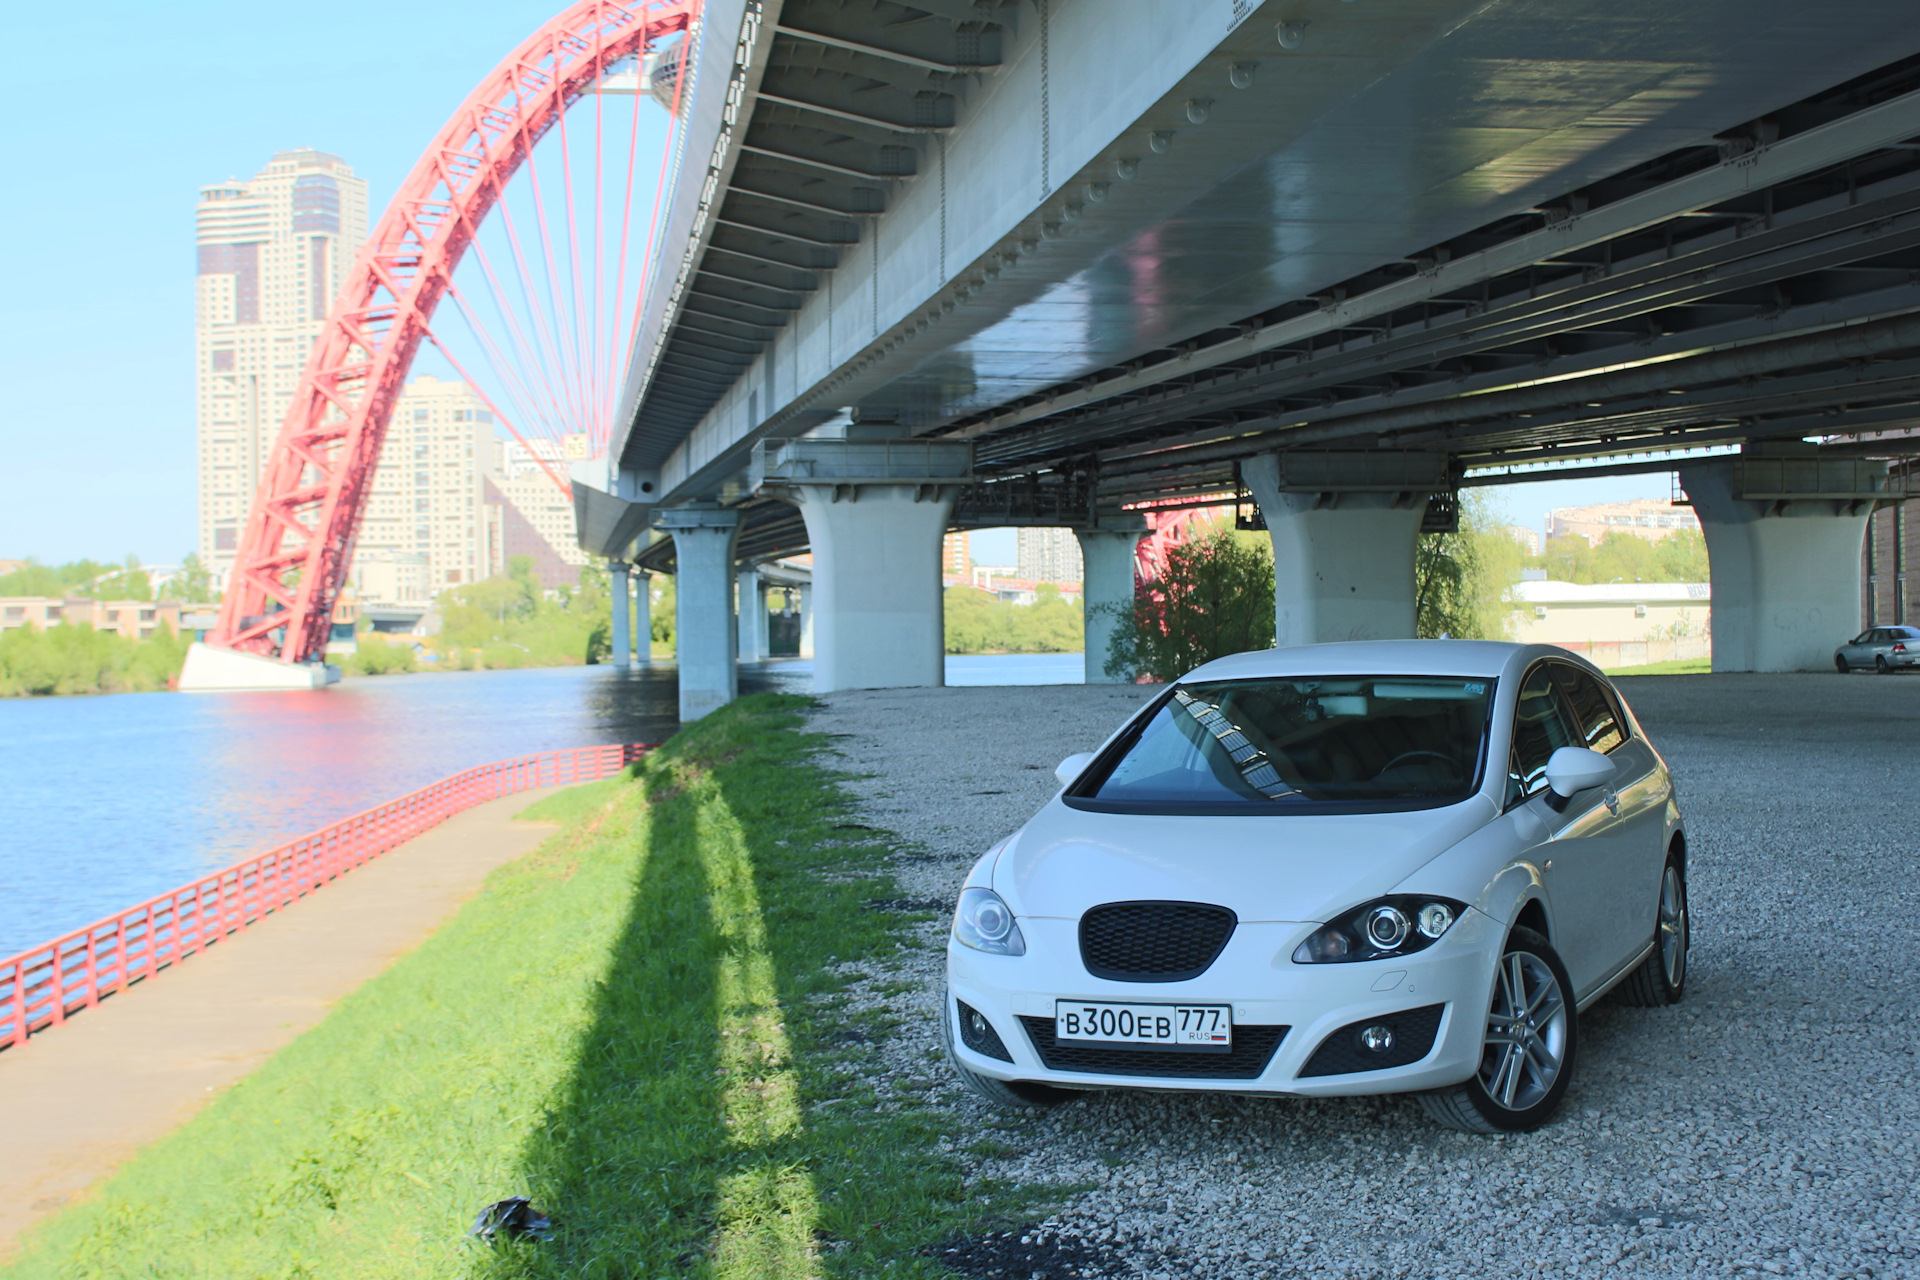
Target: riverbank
{"x": 653, "y": 1025}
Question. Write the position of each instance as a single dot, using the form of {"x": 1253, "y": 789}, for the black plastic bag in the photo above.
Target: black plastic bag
{"x": 515, "y": 1218}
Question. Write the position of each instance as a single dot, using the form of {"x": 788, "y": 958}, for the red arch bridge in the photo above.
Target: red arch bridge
{"x": 915, "y": 265}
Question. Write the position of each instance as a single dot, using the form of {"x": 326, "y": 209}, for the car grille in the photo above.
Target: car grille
{"x": 1153, "y": 941}
{"x": 1252, "y": 1049}
{"x": 1340, "y": 1053}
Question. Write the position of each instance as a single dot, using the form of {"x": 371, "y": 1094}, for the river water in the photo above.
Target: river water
{"x": 106, "y": 801}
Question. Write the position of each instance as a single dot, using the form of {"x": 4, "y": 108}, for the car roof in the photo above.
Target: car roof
{"x": 1376, "y": 657}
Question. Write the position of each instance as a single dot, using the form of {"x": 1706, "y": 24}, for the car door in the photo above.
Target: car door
{"x": 1634, "y": 838}
{"x": 1571, "y": 843}
{"x": 1858, "y": 651}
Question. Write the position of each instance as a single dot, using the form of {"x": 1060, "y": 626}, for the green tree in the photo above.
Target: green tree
{"x": 35, "y": 579}
{"x": 661, "y": 606}
{"x": 1622, "y": 557}
{"x": 1463, "y": 580}
{"x": 131, "y": 583}
{"x": 1215, "y": 598}
{"x": 192, "y": 585}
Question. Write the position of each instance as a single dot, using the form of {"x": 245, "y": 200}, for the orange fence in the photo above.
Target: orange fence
{"x": 43, "y": 986}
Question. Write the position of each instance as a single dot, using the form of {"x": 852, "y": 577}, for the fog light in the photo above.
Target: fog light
{"x": 976, "y": 1024}
{"x": 1377, "y": 1039}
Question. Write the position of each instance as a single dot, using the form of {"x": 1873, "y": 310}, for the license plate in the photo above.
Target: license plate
{"x": 1145, "y": 1026}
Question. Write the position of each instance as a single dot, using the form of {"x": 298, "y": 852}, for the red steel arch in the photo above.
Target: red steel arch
{"x": 297, "y": 543}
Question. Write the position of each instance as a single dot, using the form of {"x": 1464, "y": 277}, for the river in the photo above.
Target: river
{"x": 105, "y": 801}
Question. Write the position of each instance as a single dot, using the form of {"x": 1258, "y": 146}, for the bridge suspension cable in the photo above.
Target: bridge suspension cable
{"x": 549, "y": 329}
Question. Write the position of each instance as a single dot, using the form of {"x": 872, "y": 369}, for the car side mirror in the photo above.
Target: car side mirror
{"x": 1571, "y": 770}
{"x": 1073, "y": 766}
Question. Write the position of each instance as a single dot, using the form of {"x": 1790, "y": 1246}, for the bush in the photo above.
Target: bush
{"x": 379, "y": 656}
{"x": 69, "y": 659}
{"x": 980, "y": 622}
{"x": 1463, "y": 581}
{"x": 1215, "y": 598}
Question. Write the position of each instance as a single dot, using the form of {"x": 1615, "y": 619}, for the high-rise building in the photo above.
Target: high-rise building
{"x": 956, "y": 556}
{"x": 425, "y": 528}
{"x": 1050, "y": 555}
{"x": 452, "y": 503}
{"x": 273, "y": 252}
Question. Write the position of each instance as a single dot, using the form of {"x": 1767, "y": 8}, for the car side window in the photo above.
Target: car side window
{"x": 1539, "y": 729}
{"x": 1594, "y": 718}
{"x": 1865, "y": 637}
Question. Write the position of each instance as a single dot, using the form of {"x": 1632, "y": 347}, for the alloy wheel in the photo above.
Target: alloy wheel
{"x": 1526, "y": 1042}
{"x": 1673, "y": 927}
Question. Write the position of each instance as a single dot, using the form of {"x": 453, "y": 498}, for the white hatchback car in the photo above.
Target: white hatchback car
{"x": 1382, "y": 867}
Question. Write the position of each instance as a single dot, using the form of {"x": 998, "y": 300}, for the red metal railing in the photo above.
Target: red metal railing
{"x": 43, "y": 986}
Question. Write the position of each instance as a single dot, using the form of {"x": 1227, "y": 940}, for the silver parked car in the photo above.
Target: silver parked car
{"x": 1885, "y": 649}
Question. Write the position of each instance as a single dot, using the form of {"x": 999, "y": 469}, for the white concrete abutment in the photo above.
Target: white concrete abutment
{"x": 1784, "y": 526}
{"x": 1107, "y": 582}
{"x": 704, "y": 637}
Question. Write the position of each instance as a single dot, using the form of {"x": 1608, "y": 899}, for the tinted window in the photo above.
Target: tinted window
{"x": 1864, "y": 637}
{"x": 1539, "y": 729}
{"x": 1299, "y": 742}
{"x": 1594, "y": 718}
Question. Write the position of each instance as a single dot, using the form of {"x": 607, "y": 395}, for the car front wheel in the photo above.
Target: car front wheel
{"x": 1527, "y": 1056}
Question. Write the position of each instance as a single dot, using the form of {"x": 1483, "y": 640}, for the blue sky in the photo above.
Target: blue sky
{"x": 142, "y": 105}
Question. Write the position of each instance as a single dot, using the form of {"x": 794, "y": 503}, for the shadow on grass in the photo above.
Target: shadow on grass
{"x": 727, "y": 1115}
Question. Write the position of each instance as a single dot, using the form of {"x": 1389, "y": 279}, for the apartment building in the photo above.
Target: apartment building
{"x": 134, "y": 619}
{"x": 1049, "y": 555}
{"x": 272, "y": 253}
{"x": 1649, "y": 518}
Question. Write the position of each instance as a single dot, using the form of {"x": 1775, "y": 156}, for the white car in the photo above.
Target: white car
{"x": 1379, "y": 867}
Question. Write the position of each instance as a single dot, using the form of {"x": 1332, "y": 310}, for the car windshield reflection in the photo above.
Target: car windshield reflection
{"x": 1302, "y": 743}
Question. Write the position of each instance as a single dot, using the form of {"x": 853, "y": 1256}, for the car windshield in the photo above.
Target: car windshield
{"x": 1399, "y": 741}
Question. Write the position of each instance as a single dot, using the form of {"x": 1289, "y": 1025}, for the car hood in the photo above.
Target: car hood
{"x": 1295, "y": 867}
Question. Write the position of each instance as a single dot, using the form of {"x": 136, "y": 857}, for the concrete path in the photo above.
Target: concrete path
{"x": 81, "y": 1098}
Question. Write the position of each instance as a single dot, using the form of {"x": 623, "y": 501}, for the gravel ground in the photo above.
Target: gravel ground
{"x": 1765, "y": 1125}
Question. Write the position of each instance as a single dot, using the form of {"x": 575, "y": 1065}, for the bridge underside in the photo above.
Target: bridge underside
{"x": 1512, "y": 236}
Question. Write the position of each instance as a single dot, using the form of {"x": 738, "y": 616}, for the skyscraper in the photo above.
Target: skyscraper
{"x": 273, "y": 252}
{"x": 1049, "y": 555}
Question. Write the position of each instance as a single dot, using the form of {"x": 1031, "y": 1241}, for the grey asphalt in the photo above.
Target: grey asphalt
{"x": 1769, "y": 1124}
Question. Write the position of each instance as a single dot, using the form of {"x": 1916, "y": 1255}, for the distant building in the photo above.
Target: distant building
{"x": 273, "y": 252}
{"x": 452, "y": 504}
{"x": 1526, "y": 537}
{"x": 1887, "y": 565}
{"x": 1649, "y": 518}
{"x": 134, "y": 619}
{"x": 956, "y": 557}
{"x": 1049, "y": 555}
{"x": 1616, "y": 623}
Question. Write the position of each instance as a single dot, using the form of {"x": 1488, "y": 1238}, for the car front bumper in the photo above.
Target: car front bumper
{"x": 1318, "y": 1005}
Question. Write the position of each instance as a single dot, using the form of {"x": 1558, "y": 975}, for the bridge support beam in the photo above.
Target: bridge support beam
{"x": 704, "y": 637}
{"x": 622, "y": 608}
{"x": 1106, "y": 554}
{"x": 751, "y": 594}
{"x": 806, "y": 621}
{"x": 1783, "y": 530}
{"x": 1345, "y": 527}
{"x": 642, "y": 616}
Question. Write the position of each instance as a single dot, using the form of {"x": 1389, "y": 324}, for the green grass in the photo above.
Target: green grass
{"x": 636, "y": 1025}
{"x": 1679, "y": 667}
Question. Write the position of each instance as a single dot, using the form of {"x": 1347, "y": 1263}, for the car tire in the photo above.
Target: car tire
{"x": 1509, "y": 1092}
{"x": 1880, "y": 664}
{"x": 1661, "y": 979}
{"x": 1840, "y": 665}
{"x": 1027, "y": 1095}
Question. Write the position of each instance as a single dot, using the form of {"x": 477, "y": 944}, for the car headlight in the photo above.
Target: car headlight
{"x": 985, "y": 923}
{"x": 1396, "y": 926}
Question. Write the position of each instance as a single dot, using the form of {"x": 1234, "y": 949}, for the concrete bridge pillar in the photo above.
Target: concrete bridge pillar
{"x": 622, "y": 609}
{"x": 1344, "y": 527}
{"x": 643, "y": 616}
{"x": 1107, "y": 580}
{"x": 752, "y": 596}
{"x": 1784, "y": 527}
{"x": 806, "y": 620}
{"x": 876, "y": 505}
{"x": 878, "y": 617}
{"x": 703, "y": 538}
